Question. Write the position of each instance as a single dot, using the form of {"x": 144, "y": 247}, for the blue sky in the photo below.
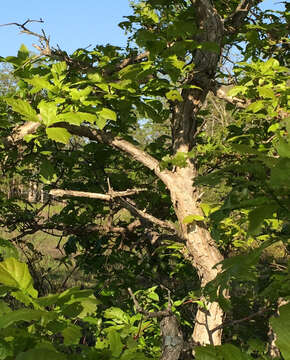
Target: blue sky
{"x": 70, "y": 23}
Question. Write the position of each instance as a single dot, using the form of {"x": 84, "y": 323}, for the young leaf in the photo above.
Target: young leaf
{"x": 58, "y": 134}
{"x": 25, "y": 315}
{"x": 7, "y": 249}
{"x": 191, "y": 218}
{"x": 108, "y": 114}
{"x": 16, "y": 275}
{"x": 23, "y": 108}
{"x": 174, "y": 95}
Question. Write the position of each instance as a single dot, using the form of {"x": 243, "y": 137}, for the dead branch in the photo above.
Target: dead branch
{"x": 145, "y": 217}
{"x": 44, "y": 40}
{"x": 19, "y": 132}
{"x": 106, "y": 197}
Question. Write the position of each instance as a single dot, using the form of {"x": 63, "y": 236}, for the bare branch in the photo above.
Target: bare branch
{"x": 44, "y": 40}
{"x": 20, "y": 132}
{"x": 125, "y": 146}
{"x": 129, "y": 61}
{"x": 106, "y": 197}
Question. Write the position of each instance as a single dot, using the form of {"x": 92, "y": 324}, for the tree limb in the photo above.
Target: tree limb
{"x": 241, "y": 104}
{"x": 107, "y": 197}
{"x": 117, "y": 196}
{"x": 235, "y": 20}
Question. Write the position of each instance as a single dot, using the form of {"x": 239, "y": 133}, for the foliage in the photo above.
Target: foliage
{"x": 242, "y": 160}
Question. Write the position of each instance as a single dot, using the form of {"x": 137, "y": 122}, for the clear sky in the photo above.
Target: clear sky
{"x": 70, "y": 23}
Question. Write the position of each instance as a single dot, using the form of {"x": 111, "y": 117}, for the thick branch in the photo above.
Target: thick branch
{"x": 235, "y": 20}
{"x": 125, "y": 146}
{"x": 145, "y": 216}
{"x": 19, "y": 133}
{"x": 232, "y": 100}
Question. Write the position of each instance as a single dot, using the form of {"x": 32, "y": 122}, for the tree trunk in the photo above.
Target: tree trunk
{"x": 184, "y": 123}
{"x": 202, "y": 249}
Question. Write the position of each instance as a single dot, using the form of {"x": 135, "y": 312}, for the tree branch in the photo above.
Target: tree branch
{"x": 107, "y": 197}
{"x": 235, "y": 20}
{"x": 230, "y": 323}
{"x": 239, "y": 103}
{"x": 117, "y": 196}
{"x": 118, "y": 143}
{"x": 44, "y": 40}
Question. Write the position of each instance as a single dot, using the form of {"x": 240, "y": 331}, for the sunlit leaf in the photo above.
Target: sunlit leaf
{"x": 58, "y": 134}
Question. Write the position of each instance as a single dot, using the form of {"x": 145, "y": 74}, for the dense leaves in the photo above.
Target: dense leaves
{"x": 87, "y": 112}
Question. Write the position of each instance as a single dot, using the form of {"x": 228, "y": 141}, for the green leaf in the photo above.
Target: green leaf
{"x": 77, "y": 118}
{"x": 48, "y": 112}
{"x": 174, "y": 95}
{"x": 223, "y": 352}
{"x": 23, "y": 52}
{"x": 58, "y": 134}
{"x": 116, "y": 345}
{"x": 71, "y": 335}
{"x": 4, "y": 308}
{"x": 237, "y": 90}
{"x": 283, "y": 147}
{"x": 25, "y": 315}
{"x": 40, "y": 354}
{"x": 23, "y": 108}
{"x": 16, "y": 274}
{"x": 116, "y": 314}
{"x": 191, "y": 218}
{"x": 153, "y": 296}
{"x": 39, "y": 83}
{"x": 256, "y": 106}
{"x": 59, "y": 68}
{"x": 47, "y": 172}
{"x": 266, "y": 92}
{"x": 108, "y": 114}
{"x": 258, "y": 215}
{"x": 281, "y": 328}
{"x": 206, "y": 208}
{"x": 6, "y": 350}
{"x": 7, "y": 249}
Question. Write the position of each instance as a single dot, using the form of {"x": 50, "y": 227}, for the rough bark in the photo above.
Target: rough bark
{"x": 184, "y": 196}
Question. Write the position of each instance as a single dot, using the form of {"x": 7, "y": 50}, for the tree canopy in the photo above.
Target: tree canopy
{"x": 162, "y": 170}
